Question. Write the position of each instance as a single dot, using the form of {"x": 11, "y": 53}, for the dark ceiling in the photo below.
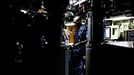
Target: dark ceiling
{"x": 118, "y": 7}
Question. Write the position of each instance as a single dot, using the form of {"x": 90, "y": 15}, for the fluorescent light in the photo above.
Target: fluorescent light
{"x": 70, "y": 24}
{"x": 79, "y": 2}
{"x": 119, "y": 18}
{"x": 24, "y": 11}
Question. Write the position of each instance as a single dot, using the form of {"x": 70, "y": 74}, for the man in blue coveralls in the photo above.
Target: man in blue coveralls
{"x": 77, "y": 61}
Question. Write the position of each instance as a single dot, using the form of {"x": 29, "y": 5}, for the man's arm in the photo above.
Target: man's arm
{"x": 80, "y": 42}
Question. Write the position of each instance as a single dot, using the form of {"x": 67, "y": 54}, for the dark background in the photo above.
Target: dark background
{"x": 105, "y": 59}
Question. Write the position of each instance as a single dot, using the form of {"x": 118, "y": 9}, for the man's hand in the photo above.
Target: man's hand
{"x": 80, "y": 42}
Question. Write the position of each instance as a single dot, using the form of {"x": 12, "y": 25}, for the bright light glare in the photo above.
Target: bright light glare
{"x": 70, "y": 24}
{"x": 24, "y": 11}
{"x": 119, "y": 18}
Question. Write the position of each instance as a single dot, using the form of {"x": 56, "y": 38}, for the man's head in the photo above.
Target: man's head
{"x": 83, "y": 21}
